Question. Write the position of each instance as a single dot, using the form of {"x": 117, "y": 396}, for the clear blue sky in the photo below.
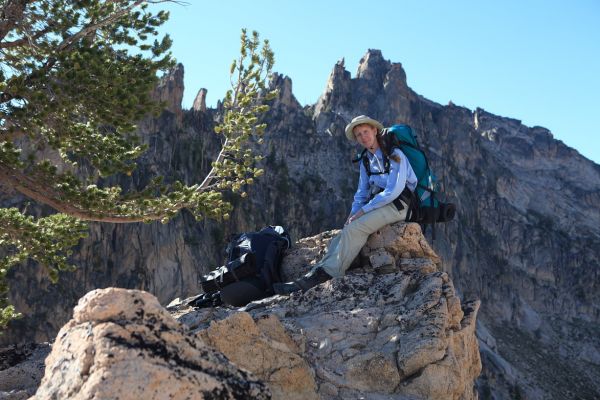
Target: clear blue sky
{"x": 537, "y": 61}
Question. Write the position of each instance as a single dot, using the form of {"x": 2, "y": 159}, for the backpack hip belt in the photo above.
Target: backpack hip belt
{"x": 407, "y": 196}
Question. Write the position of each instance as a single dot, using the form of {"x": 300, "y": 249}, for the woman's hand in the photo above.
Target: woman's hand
{"x": 359, "y": 214}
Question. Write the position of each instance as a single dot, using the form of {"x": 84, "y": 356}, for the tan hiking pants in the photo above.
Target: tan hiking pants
{"x": 344, "y": 248}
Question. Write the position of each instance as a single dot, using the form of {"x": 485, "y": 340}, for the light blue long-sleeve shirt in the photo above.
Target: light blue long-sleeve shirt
{"x": 400, "y": 175}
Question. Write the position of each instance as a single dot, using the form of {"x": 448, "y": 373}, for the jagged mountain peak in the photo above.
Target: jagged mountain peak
{"x": 200, "y": 100}
{"x": 337, "y": 88}
{"x": 170, "y": 90}
{"x": 285, "y": 96}
{"x": 373, "y": 66}
{"x": 379, "y": 84}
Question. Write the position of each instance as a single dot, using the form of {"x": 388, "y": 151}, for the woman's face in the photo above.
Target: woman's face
{"x": 365, "y": 135}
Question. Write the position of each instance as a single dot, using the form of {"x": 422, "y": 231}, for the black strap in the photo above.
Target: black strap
{"x": 432, "y": 203}
{"x": 365, "y": 161}
{"x": 398, "y": 204}
{"x": 410, "y": 199}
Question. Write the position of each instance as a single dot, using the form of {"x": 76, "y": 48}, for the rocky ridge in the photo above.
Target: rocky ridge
{"x": 526, "y": 239}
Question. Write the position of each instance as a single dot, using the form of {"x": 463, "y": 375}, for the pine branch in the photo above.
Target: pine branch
{"x": 26, "y": 41}
{"x": 11, "y": 14}
{"x": 45, "y": 194}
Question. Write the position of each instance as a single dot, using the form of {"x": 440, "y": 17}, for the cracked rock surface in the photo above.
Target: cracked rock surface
{"x": 398, "y": 334}
{"x": 123, "y": 344}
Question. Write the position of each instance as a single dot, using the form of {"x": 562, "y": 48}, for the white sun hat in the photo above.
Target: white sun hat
{"x": 361, "y": 119}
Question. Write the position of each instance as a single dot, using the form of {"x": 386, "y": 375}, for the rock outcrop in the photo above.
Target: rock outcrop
{"x": 170, "y": 91}
{"x": 397, "y": 332}
{"x": 123, "y": 344}
{"x": 264, "y": 348}
{"x": 200, "y": 101}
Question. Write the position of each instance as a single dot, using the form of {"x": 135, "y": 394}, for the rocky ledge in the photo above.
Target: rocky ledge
{"x": 393, "y": 328}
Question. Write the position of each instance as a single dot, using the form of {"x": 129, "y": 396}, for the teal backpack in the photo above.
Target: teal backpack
{"x": 428, "y": 209}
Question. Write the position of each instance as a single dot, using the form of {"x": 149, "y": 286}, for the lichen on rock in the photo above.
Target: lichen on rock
{"x": 123, "y": 344}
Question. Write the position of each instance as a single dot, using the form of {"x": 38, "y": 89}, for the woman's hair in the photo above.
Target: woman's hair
{"x": 382, "y": 146}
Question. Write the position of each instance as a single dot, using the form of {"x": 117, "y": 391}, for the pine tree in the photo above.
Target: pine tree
{"x": 75, "y": 76}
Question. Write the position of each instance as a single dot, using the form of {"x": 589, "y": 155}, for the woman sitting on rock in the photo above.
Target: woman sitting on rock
{"x": 381, "y": 199}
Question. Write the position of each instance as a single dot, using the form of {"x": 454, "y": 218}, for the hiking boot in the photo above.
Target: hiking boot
{"x": 311, "y": 279}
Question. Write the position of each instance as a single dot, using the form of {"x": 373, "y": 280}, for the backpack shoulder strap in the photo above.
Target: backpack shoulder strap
{"x": 391, "y": 143}
{"x": 386, "y": 161}
{"x": 365, "y": 161}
